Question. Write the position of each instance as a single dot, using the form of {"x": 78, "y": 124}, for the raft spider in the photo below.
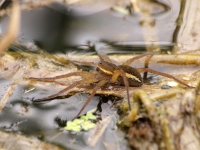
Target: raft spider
{"x": 106, "y": 73}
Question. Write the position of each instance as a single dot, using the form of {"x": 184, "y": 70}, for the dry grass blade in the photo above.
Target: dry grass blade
{"x": 98, "y": 131}
{"x": 18, "y": 75}
{"x": 7, "y": 95}
{"x": 12, "y": 28}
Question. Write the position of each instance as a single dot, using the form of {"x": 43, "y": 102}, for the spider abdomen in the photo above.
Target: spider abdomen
{"x": 133, "y": 76}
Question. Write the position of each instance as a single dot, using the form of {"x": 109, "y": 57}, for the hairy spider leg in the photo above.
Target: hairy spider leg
{"x": 114, "y": 78}
{"x": 59, "y": 83}
{"x": 162, "y": 74}
{"x": 98, "y": 85}
{"x": 51, "y": 79}
{"x": 146, "y": 65}
{"x": 104, "y": 57}
{"x": 101, "y": 56}
{"x": 88, "y": 81}
{"x": 129, "y": 61}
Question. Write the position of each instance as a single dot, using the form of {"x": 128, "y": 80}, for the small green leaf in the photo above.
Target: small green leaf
{"x": 84, "y": 117}
{"x": 92, "y": 111}
{"x": 87, "y": 125}
{"x": 78, "y": 121}
{"x": 76, "y": 128}
{"x": 91, "y": 116}
{"x": 83, "y": 123}
{"x": 71, "y": 123}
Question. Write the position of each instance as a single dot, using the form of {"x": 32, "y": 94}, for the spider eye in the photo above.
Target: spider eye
{"x": 100, "y": 62}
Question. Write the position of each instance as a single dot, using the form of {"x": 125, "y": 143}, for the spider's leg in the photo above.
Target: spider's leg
{"x": 129, "y": 61}
{"x": 146, "y": 65}
{"x": 98, "y": 85}
{"x": 114, "y": 78}
{"x": 84, "y": 81}
{"x": 162, "y": 74}
{"x": 51, "y": 79}
{"x": 59, "y": 83}
{"x": 104, "y": 57}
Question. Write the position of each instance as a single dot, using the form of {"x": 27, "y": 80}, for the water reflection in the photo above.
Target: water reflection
{"x": 69, "y": 28}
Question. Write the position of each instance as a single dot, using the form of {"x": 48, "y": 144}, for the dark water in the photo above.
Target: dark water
{"x": 46, "y": 121}
{"x": 61, "y": 28}
{"x": 79, "y": 29}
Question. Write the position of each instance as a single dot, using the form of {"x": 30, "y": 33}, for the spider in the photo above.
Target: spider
{"x": 106, "y": 73}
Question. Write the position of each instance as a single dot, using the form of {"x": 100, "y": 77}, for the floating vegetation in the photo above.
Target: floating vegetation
{"x": 85, "y": 122}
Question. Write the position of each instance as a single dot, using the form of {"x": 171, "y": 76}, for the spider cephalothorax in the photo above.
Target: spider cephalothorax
{"x": 133, "y": 76}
